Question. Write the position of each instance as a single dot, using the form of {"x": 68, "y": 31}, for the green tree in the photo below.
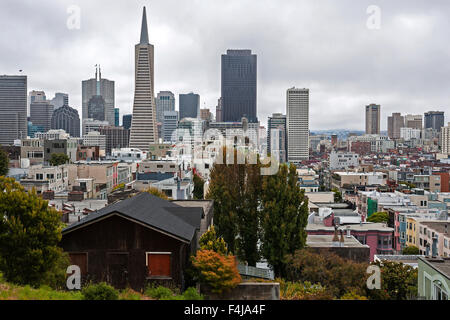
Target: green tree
{"x": 340, "y": 276}
{"x": 411, "y": 250}
{"x": 398, "y": 281}
{"x": 29, "y": 235}
{"x": 4, "y": 163}
{"x": 284, "y": 217}
{"x": 337, "y": 195}
{"x": 236, "y": 191}
{"x": 379, "y": 217}
{"x": 210, "y": 241}
{"x": 58, "y": 159}
{"x": 199, "y": 184}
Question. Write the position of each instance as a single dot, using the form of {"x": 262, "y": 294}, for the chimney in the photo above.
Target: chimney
{"x": 342, "y": 241}
{"x": 335, "y": 237}
{"x": 349, "y": 235}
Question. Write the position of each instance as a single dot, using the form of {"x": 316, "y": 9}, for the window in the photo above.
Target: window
{"x": 159, "y": 264}
{"x": 439, "y": 292}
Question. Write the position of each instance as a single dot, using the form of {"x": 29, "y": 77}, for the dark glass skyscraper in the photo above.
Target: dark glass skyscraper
{"x": 434, "y": 120}
{"x": 189, "y": 105}
{"x": 239, "y": 69}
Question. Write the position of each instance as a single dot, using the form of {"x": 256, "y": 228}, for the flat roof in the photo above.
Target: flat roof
{"x": 322, "y": 241}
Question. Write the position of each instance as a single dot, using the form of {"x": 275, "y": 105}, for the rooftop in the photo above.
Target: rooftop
{"x": 322, "y": 241}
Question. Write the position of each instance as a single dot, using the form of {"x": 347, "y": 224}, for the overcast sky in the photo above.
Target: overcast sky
{"x": 323, "y": 45}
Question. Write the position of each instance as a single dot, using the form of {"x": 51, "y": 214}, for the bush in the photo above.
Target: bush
{"x": 303, "y": 291}
{"x": 217, "y": 271}
{"x": 411, "y": 250}
{"x": 160, "y": 293}
{"x": 192, "y": 294}
{"x": 101, "y": 291}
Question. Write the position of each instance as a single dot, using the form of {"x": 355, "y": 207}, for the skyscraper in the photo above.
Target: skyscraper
{"x": 13, "y": 109}
{"x": 41, "y": 113}
{"x": 189, "y": 106}
{"x": 143, "y": 123}
{"x": 414, "y": 121}
{"x": 373, "y": 115}
{"x": 170, "y": 124}
{"x": 434, "y": 120}
{"x": 445, "y": 139}
{"x": 67, "y": 118}
{"x": 239, "y": 69}
{"x": 116, "y": 117}
{"x": 99, "y": 87}
{"x": 165, "y": 101}
{"x": 126, "y": 121}
{"x": 278, "y": 123}
{"x": 60, "y": 99}
{"x": 395, "y": 123}
{"x": 297, "y": 113}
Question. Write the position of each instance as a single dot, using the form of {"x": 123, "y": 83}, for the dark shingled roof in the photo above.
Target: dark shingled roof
{"x": 155, "y": 212}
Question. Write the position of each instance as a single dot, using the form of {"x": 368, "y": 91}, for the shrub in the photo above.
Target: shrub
{"x": 210, "y": 241}
{"x": 303, "y": 291}
{"x": 160, "y": 293}
{"x": 129, "y": 294}
{"x": 217, "y": 271}
{"x": 411, "y": 250}
{"x": 192, "y": 294}
{"x": 352, "y": 295}
{"x": 101, "y": 291}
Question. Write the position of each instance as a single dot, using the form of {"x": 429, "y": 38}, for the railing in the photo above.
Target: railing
{"x": 255, "y": 272}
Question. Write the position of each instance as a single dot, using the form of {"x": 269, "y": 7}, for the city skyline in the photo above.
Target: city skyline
{"x": 342, "y": 81}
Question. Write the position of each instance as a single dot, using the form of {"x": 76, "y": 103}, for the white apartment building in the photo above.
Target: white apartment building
{"x": 297, "y": 113}
{"x": 408, "y": 134}
{"x": 45, "y": 178}
{"x": 343, "y": 160}
{"x": 93, "y": 139}
{"x": 445, "y": 139}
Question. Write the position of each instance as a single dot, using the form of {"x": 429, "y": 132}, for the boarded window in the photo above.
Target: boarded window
{"x": 79, "y": 259}
{"x": 159, "y": 264}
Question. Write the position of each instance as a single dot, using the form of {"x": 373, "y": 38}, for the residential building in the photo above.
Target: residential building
{"x": 445, "y": 139}
{"x": 206, "y": 115}
{"x": 46, "y": 178}
{"x": 434, "y": 278}
{"x": 340, "y": 160}
{"x": 95, "y": 138}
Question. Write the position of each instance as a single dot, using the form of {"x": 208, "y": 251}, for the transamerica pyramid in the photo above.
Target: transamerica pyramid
{"x": 143, "y": 124}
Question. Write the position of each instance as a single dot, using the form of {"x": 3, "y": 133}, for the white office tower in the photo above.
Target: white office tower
{"x": 297, "y": 112}
{"x": 445, "y": 139}
{"x": 143, "y": 123}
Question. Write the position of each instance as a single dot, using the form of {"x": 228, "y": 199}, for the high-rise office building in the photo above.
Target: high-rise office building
{"x": 67, "y": 118}
{"x": 117, "y": 117}
{"x": 239, "y": 86}
{"x": 373, "y": 116}
{"x": 143, "y": 123}
{"x": 395, "y": 123}
{"x": 414, "y": 121}
{"x": 434, "y": 120}
{"x": 13, "y": 109}
{"x": 165, "y": 101}
{"x": 126, "y": 121}
{"x": 116, "y": 137}
{"x": 278, "y": 123}
{"x": 445, "y": 139}
{"x": 41, "y": 113}
{"x": 189, "y": 106}
{"x": 297, "y": 115}
{"x": 170, "y": 124}
{"x": 60, "y": 99}
{"x": 99, "y": 87}
{"x": 96, "y": 109}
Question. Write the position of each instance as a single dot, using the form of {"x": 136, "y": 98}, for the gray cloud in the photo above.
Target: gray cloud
{"x": 322, "y": 45}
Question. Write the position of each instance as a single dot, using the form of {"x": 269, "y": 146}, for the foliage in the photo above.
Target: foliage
{"x": 411, "y": 250}
{"x": 100, "y": 291}
{"x": 4, "y": 163}
{"x": 119, "y": 186}
{"x": 128, "y": 294}
{"x": 398, "y": 281}
{"x": 216, "y": 271}
{"x": 210, "y": 241}
{"x": 156, "y": 192}
{"x": 159, "y": 292}
{"x": 303, "y": 291}
{"x": 352, "y": 295}
{"x": 236, "y": 191}
{"x": 58, "y": 159}
{"x": 30, "y": 232}
{"x": 337, "y": 195}
{"x": 199, "y": 185}
{"x": 379, "y": 217}
{"x": 338, "y": 275}
{"x": 192, "y": 294}
{"x": 284, "y": 216}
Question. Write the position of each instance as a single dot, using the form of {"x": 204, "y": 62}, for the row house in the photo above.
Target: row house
{"x": 46, "y": 178}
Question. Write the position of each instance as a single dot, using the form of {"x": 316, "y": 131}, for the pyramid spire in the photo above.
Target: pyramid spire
{"x": 144, "y": 30}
